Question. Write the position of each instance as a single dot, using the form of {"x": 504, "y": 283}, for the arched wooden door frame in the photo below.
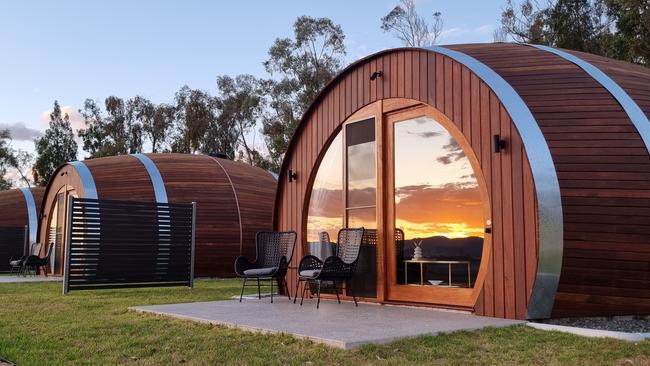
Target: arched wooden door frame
{"x": 455, "y": 297}
{"x": 452, "y": 297}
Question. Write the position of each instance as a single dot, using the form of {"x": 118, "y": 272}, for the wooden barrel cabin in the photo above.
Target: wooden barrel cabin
{"x": 18, "y": 222}
{"x": 233, "y": 200}
{"x": 520, "y": 171}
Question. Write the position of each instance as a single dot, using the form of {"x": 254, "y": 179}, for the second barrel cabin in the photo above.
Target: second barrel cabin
{"x": 18, "y": 223}
{"x": 233, "y": 200}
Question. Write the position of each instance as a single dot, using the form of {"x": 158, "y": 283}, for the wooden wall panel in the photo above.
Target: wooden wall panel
{"x": 469, "y": 103}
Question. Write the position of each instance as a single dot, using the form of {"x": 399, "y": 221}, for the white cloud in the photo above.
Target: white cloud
{"x": 20, "y": 132}
{"x": 465, "y": 34}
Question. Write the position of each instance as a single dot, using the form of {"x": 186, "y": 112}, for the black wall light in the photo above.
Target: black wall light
{"x": 292, "y": 175}
{"x": 376, "y": 74}
{"x": 499, "y": 144}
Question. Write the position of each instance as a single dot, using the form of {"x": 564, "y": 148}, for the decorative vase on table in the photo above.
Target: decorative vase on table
{"x": 417, "y": 252}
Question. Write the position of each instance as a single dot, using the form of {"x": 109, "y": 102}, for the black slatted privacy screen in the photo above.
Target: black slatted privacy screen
{"x": 128, "y": 244}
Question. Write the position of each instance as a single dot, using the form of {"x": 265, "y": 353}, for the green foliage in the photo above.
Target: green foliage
{"x": 612, "y": 28}
{"x": 56, "y": 147}
{"x": 632, "y": 39}
{"x": 410, "y": 27}
{"x": 154, "y": 120}
{"x": 300, "y": 68}
{"x": 240, "y": 102}
{"x": 6, "y": 158}
{"x": 115, "y": 133}
{"x": 195, "y": 113}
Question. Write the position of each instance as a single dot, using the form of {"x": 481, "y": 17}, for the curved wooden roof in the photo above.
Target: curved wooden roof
{"x": 234, "y": 200}
{"x": 14, "y": 205}
{"x": 590, "y": 135}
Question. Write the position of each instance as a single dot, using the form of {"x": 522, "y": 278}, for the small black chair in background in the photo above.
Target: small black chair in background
{"x": 337, "y": 268}
{"x": 34, "y": 262}
{"x": 17, "y": 264}
{"x": 274, "y": 252}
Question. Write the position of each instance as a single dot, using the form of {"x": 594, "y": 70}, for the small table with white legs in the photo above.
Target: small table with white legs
{"x": 422, "y": 262}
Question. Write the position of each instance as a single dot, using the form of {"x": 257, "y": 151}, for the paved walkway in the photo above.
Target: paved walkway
{"x": 19, "y": 279}
{"x": 342, "y": 326}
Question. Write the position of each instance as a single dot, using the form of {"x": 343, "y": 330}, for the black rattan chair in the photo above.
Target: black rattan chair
{"x": 34, "y": 262}
{"x": 17, "y": 264}
{"x": 337, "y": 268}
{"x": 274, "y": 252}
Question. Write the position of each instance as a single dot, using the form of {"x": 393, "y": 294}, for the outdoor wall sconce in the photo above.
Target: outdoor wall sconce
{"x": 499, "y": 144}
{"x": 376, "y": 74}
{"x": 292, "y": 175}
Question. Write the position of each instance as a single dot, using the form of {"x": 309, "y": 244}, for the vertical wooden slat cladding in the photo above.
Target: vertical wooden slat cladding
{"x": 603, "y": 167}
{"x": 467, "y": 101}
{"x": 223, "y": 190}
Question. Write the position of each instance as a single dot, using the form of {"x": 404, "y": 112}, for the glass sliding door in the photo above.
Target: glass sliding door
{"x": 361, "y": 174}
{"x": 361, "y": 200}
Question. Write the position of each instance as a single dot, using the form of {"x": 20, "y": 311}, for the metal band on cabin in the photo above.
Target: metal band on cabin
{"x": 634, "y": 112}
{"x": 87, "y": 180}
{"x": 155, "y": 177}
{"x": 547, "y": 187}
{"x": 31, "y": 214}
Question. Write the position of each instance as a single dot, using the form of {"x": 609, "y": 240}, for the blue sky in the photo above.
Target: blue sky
{"x": 72, "y": 50}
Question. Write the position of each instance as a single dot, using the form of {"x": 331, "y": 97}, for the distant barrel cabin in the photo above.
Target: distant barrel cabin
{"x": 233, "y": 200}
{"x": 509, "y": 180}
{"x": 18, "y": 223}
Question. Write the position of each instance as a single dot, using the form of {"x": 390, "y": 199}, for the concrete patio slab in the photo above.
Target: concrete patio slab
{"x": 20, "y": 279}
{"x": 338, "y": 325}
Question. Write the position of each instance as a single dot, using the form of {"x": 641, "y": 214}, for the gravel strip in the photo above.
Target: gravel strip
{"x": 618, "y": 324}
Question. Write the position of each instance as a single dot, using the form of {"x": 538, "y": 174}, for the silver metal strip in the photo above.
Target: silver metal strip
{"x": 87, "y": 180}
{"x": 155, "y": 177}
{"x": 31, "y": 214}
{"x": 160, "y": 192}
{"x": 634, "y": 112}
{"x": 547, "y": 187}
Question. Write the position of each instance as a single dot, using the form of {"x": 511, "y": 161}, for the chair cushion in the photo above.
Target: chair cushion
{"x": 15, "y": 262}
{"x": 260, "y": 271}
{"x": 310, "y": 273}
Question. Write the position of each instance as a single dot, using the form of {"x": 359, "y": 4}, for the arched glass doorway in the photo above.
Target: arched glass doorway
{"x": 426, "y": 193}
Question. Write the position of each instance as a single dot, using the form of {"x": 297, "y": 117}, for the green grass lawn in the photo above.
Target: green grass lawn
{"x": 39, "y": 326}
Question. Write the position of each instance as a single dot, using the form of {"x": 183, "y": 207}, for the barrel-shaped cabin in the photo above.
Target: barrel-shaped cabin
{"x": 18, "y": 222}
{"x": 233, "y": 200}
{"x": 508, "y": 180}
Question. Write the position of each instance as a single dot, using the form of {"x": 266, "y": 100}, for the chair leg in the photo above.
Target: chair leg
{"x": 297, "y": 287}
{"x": 304, "y": 288}
{"x": 318, "y": 294}
{"x": 354, "y": 297}
{"x": 337, "y": 292}
{"x": 286, "y": 288}
{"x": 259, "y": 291}
{"x": 272, "y": 280}
{"x": 242, "y": 290}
